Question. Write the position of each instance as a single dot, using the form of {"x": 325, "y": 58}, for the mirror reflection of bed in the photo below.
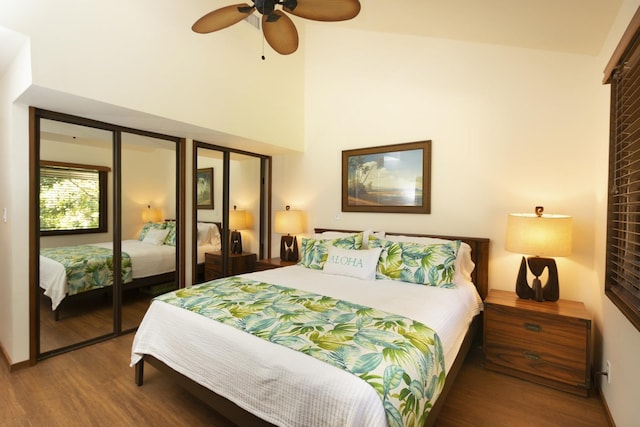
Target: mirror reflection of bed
{"x": 84, "y": 303}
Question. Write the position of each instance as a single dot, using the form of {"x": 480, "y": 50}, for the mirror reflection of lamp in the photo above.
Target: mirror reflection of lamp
{"x": 541, "y": 236}
{"x": 237, "y": 221}
{"x": 288, "y": 222}
{"x": 150, "y": 214}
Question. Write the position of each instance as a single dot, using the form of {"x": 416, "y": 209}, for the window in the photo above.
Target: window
{"x": 73, "y": 198}
{"x": 622, "y": 281}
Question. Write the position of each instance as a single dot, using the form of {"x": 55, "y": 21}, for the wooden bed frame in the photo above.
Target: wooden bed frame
{"x": 134, "y": 284}
{"x": 239, "y": 416}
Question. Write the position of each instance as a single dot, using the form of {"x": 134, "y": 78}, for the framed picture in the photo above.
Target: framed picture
{"x": 204, "y": 182}
{"x": 392, "y": 178}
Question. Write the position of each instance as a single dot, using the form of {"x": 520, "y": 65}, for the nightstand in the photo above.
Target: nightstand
{"x": 237, "y": 264}
{"x": 270, "y": 263}
{"x": 544, "y": 342}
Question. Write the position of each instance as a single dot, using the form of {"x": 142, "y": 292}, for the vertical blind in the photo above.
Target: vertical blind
{"x": 623, "y": 220}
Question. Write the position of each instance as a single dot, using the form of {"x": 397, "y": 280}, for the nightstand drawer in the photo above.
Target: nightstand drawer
{"x": 553, "y": 362}
{"x": 536, "y": 329}
{"x": 237, "y": 264}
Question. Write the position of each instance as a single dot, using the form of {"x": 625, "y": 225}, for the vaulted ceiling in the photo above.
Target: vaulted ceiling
{"x": 572, "y": 26}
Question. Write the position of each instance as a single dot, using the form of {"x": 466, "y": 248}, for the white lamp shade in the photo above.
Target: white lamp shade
{"x": 237, "y": 220}
{"x": 288, "y": 222}
{"x": 150, "y": 214}
{"x": 546, "y": 235}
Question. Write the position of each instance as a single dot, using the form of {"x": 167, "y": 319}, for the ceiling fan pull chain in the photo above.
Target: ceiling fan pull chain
{"x": 263, "y": 57}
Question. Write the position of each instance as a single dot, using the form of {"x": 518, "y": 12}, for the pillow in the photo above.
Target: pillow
{"x": 215, "y": 238}
{"x": 151, "y": 225}
{"x": 313, "y": 252}
{"x": 464, "y": 264}
{"x": 432, "y": 265}
{"x": 335, "y": 234}
{"x": 171, "y": 236}
{"x": 360, "y": 264}
{"x": 204, "y": 233}
{"x": 156, "y": 236}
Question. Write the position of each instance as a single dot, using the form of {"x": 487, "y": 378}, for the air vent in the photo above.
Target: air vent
{"x": 254, "y": 20}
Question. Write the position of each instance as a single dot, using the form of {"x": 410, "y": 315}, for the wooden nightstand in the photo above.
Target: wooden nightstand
{"x": 544, "y": 342}
{"x": 237, "y": 264}
{"x": 268, "y": 264}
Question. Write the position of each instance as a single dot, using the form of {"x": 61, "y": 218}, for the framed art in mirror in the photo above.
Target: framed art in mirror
{"x": 205, "y": 188}
{"x": 391, "y": 178}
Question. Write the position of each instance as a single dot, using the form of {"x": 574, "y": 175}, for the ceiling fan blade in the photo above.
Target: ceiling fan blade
{"x": 325, "y": 10}
{"x": 222, "y": 18}
{"x": 280, "y": 32}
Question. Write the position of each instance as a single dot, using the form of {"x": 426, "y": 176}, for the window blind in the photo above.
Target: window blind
{"x": 71, "y": 199}
{"x": 622, "y": 282}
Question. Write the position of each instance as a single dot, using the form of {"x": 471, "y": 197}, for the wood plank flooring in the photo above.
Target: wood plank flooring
{"x": 94, "y": 386}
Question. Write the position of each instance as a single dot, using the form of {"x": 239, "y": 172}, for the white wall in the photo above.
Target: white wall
{"x": 14, "y": 197}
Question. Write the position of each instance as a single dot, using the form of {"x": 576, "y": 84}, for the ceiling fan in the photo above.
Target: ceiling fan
{"x": 278, "y": 28}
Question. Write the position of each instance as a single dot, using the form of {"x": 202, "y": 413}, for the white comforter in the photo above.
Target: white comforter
{"x": 274, "y": 382}
{"x": 146, "y": 260}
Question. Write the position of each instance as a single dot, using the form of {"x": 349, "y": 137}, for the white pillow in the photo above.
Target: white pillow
{"x": 360, "y": 264}
{"x": 464, "y": 264}
{"x": 215, "y": 238}
{"x": 156, "y": 236}
{"x": 204, "y": 233}
{"x": 338, "y": 234}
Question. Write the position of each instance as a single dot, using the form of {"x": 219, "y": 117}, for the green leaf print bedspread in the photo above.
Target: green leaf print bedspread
{"x": 88, "y": 267}
{"x": 400, "y": 358}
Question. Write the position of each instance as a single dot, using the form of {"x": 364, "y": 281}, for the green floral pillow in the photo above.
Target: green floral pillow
{"x": 171, "y": 237}
{"x": 314, "y": 252}
{"x": 432, "y": 265}
{"x": 150, "y": 225}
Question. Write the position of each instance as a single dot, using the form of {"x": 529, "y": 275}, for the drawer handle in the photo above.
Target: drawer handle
{"x": 532, "y": 356}
{"x": 532, "y": 327}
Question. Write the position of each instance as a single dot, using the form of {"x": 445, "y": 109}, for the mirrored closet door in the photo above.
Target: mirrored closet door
{"x": 107, "y": 225}
{"x": 76, "y": 212}
{"x": 232, "y": 192}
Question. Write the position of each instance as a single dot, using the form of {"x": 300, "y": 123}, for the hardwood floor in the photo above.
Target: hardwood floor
{"x": 94, "y": 386}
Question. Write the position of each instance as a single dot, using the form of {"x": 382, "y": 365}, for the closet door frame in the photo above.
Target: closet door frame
{"x": 35, "y": 115}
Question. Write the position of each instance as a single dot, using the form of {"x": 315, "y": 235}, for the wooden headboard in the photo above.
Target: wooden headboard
{"x": 479, "y": 254}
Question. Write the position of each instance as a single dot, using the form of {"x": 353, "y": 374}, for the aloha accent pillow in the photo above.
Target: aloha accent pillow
{"x": 432, "y": 265}
{"x": 148, "y": 226}
{"x": 360, "y": 264}
{"x": 171, "y": 237}
{"x": 156, "y": 236}
{"x": 314, "y": 252}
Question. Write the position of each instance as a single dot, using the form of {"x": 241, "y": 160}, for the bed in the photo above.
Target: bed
{"x": 66, "y": 272}
{"x": 247, "y": 367}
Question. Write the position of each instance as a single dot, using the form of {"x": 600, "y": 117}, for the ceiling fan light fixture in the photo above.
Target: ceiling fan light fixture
{"x": 277, "y": 27}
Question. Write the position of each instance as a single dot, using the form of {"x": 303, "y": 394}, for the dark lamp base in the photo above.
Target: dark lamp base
{"x": 550, "y": 291}
{"x": 235, "y": 242}
{"x": 288, "y": 248}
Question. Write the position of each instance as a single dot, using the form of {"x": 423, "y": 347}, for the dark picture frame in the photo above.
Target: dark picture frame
{"x": 392, "y": 178}
{"x": 204, "y": 190}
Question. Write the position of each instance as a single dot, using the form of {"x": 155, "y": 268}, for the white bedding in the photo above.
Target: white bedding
{"x": 273, "y": 381}
{"x": 146, "y": 260}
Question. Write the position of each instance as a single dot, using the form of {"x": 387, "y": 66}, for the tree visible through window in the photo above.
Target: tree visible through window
{"x": 73, "y": 198}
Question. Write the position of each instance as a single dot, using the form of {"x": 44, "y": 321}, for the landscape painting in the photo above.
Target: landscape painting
{"x": 393, "y": 178}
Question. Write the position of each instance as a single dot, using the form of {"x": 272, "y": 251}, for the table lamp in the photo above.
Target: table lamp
{"x": 543, "y": 236}
{"x": 237, "y": 221}
{"x": 288, "y": 222}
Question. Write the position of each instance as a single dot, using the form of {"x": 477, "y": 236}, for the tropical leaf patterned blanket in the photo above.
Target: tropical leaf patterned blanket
{"x": 88, "y": 267}
{"x": 400, "y": 358}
